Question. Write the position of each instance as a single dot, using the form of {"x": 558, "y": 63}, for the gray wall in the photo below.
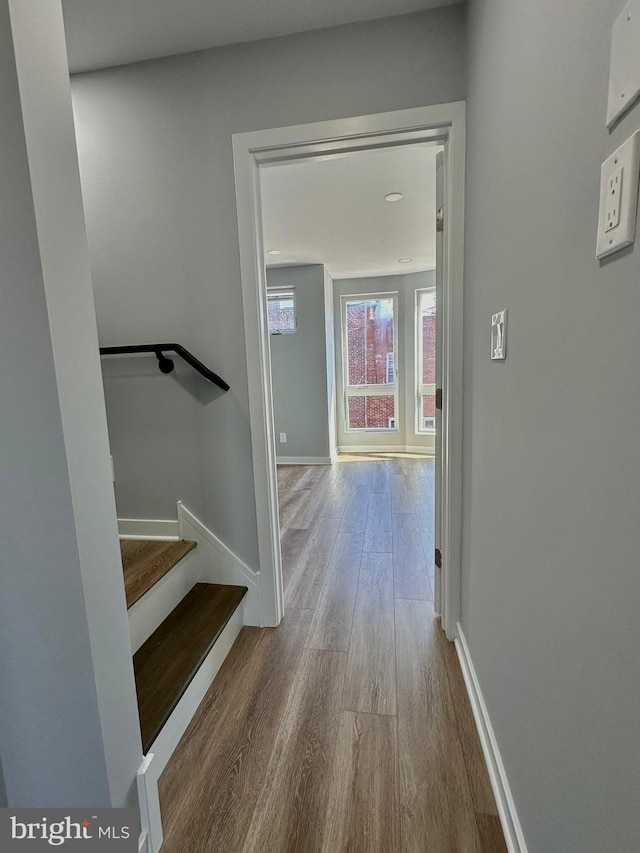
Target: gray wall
{"x": 51, "y": 747}
{"x": 551, "y": 584}
{"x": 157, "y": 171}
{"x": 299, "y": 367}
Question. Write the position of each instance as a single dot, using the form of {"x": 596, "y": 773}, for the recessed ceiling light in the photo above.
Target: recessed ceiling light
{"x": 274, "y": 252}
{"x": 393, "y": 197}
{"x": 404, "y": 260}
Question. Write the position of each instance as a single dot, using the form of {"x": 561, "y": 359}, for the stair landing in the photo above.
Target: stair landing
{"x": 145, "y": 562}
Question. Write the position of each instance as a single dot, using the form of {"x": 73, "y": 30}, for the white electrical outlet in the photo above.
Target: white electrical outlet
{"x": 619, "y": 198}
{"x": 283, "y": 438}
{"x": 614, "y": 191}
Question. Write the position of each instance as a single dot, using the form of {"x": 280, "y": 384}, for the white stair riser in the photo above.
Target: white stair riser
{"x": 158, "y": 602}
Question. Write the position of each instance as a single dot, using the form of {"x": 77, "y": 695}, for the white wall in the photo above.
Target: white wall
{"x": 69, "y": 733}
{"x": 552, "y": 457}
{"x": 299, "y": 367}
{"x": 156, "y": 164}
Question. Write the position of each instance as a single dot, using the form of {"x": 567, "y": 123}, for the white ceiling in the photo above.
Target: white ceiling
{"x": 332, "y": 211}
{"x": 103, "y": 33}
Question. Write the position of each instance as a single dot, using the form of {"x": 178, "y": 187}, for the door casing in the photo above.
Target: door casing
{"x": 444, "y": 123}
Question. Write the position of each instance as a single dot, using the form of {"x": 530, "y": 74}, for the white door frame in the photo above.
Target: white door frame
{"x": 444, "y": 123}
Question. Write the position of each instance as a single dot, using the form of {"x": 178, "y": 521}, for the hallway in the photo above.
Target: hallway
{"x": 348, "y": 727}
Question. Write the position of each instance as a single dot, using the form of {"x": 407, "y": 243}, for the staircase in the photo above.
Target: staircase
{"x": 181, "y": 631}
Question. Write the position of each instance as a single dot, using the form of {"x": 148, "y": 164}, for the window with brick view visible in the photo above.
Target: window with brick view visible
{"x": 281, "y": 311}
{"x": 370, "y": 352}
{"x": 428, "y": 360}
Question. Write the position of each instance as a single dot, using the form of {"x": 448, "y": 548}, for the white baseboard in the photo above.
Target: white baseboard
{"x": 497, "y": 774}
{"x": 148, "y": 528}
{"x": 156, "y": 604}
{"x": 215, "y": 563}
{"x": 423, "y": 451}
{"x": 303, "y": 460}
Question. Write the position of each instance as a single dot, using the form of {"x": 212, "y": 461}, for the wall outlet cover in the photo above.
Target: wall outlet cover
{"x": 499, "y": 336}
{"x": 283, "y": 438}
{"x": 619, "y": 176}
{"x": 624, "y": 71}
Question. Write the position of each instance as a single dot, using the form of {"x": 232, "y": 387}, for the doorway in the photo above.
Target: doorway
{"x": 443, "y": 124}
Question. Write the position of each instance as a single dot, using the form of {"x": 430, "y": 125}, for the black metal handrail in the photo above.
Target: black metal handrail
{"x": 165, "y": 364}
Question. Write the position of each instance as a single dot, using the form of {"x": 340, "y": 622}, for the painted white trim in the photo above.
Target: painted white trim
{"x": 158, "y": 602}
{"x": 511, "y": 827}
{"x": 215, "y": 563}
{"x": 149, "y": 803}
{"x": 303, "y": 460}
{"x": 425, "y": 450}
{"x": 444, "y": 123}
{"x": 143, "y": 842}
{"x": 148, "y": 528}
{"x": 330, "y": 355}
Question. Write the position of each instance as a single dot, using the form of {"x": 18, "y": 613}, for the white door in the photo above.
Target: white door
{"x": 439, "y": 378}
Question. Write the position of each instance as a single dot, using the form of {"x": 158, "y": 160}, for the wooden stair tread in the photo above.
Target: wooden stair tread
{"x": 167, "y": 662}
{"x": 146, "y": 561}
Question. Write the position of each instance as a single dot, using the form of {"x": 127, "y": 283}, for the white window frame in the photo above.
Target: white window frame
{"x": 391, "y": 366}
{"x": 367, "y": 390}
{"x": 422, "y": 388}
{"x": 281, "y": 292}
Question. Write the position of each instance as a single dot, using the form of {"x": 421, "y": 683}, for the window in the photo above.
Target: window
{"x": 426, "y": 368}
{"x": 369, "y": 340}
{"x": 281, "y": 311}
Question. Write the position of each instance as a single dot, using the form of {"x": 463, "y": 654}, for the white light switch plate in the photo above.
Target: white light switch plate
{"x": 499, "y": 336}
{"x": 619, "y": 198}
{"x": 624, "y": 71}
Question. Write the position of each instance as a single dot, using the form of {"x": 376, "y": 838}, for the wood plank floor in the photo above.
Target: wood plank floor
{"x": 347, "y": 728}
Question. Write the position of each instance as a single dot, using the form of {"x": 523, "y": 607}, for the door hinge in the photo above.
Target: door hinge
{"x": 440, "y": 220}
{"x": 438, "y": 398}
{"x": 438, "y": 558}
